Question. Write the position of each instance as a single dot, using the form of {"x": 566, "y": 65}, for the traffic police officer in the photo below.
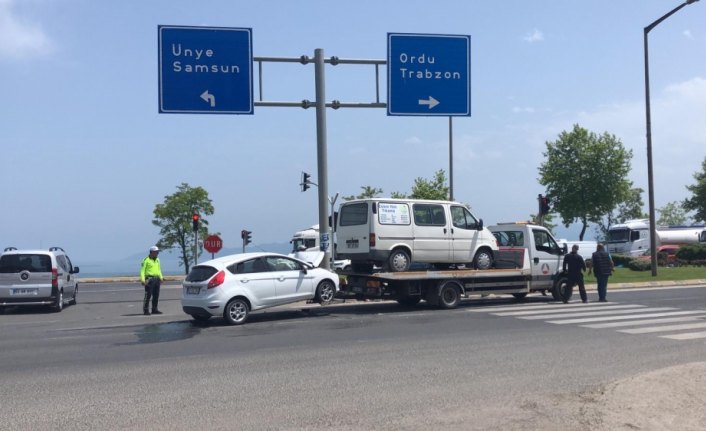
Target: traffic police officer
{"x": 151, "y": 277}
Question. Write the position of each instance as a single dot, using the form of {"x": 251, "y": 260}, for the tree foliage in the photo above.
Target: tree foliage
{"x": 585, "y": 175}
{"x": 173, "y": 217}
{"x": 673, "y": 213}
{"x": 697, "y": 201}
{"x": 435, "y": 189}
{"x": 368, "y": 192}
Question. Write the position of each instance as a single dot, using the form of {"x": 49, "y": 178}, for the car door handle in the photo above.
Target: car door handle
{"x": 244, "y": 280}
{"x": 280, "y": 278}
{"x": 444, "y": 230}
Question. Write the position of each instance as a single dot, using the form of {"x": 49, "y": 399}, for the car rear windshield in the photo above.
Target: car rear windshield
{"x": 12, "y": 263}
{"x": 201, "y": 273}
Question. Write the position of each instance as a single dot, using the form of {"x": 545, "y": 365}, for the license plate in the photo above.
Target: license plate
{"x": 192, "y": 290}
{"x": 24, "y": 291}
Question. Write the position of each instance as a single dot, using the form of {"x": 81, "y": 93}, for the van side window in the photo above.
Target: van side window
{"x": 462, "y": 218}
{"x": 429, "y": 215}
{"x": 353, "y": 214}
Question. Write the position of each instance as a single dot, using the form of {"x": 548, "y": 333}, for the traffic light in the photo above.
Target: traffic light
{"x": 246, "y": 235}
{"x": 195, "y": 221}
{"x": 306, "y": 181}
{"x": 544, "y": 206}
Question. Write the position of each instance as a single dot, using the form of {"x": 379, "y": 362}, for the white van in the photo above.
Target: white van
{"x": 393, "y": 233}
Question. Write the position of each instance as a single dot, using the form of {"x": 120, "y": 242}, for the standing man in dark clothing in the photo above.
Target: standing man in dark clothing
{"x": 602, "y": 268}
{"x": 151, "y": 278}
{"x": 574, "y": 266}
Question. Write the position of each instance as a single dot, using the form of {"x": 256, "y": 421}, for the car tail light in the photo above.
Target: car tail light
{"x": 54, "y": 277}
{"x": 371, "y": 240}
{"x": 217, "y": 280}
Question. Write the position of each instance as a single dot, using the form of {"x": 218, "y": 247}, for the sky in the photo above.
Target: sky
{"x": 86, "y": 155}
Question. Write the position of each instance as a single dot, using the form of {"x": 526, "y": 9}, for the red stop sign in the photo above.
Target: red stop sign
{"x": 213, "y": 244}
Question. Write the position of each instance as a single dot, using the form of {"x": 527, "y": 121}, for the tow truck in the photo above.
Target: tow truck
{"x": 529, "y": 260}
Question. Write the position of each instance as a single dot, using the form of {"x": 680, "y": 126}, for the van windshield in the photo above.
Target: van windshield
{"x": 353, "y": 215}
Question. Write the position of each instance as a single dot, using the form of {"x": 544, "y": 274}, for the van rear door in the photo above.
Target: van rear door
{"x": 353, "y": 230}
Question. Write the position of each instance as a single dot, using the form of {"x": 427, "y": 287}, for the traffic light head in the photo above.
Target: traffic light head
{"x": 544, "y": 205}
{"x": 195, "y": 219}
{"x": 306, "y": 181}
{"x": 246, "y": 235}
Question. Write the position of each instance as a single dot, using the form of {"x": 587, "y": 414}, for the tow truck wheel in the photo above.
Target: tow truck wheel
{"x": 449, "y": 295}
{"x": 561, "y": 291}
{"x": 399, "y": 260}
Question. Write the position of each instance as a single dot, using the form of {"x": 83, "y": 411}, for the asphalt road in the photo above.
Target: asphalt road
{"x": 493, "y": 363}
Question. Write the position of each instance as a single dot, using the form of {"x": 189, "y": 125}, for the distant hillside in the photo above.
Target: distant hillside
{"x": 169, "y": 259}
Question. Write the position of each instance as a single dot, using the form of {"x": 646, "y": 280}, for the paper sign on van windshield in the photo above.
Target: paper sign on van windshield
{"x": 393, "y": 213}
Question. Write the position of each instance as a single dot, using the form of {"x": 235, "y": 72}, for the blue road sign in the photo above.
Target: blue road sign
{"x": 205, "y": 70}
{"x": 428, "y": 74}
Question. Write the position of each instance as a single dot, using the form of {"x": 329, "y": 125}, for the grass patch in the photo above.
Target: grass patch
{"x": 625, "y": 275}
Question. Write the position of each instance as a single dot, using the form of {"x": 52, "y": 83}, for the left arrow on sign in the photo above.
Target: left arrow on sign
{"x": 431, "y": 102}
{"x": 210, "y": 98}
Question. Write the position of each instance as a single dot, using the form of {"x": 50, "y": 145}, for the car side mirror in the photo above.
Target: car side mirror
{"x": 480, "y": 224}
{"x": 564, "y": 249}
{"x": 75, "y": 271}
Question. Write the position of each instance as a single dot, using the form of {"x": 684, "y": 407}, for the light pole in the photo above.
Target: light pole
{"x": 650, "y": 177}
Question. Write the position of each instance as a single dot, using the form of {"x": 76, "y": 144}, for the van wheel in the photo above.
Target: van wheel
{"x": 73, "y": 298}
{"x": 520, "y": 296}
{"x": 483, "y": 259}
{"x": 58, "y": 302}
{"x": 449, "y": 295}
{"x": 398, "y": 261}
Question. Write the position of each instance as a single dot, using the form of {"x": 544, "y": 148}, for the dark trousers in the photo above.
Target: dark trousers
{"x": 602, "y": 281}
{"x": 573, "y": 281}
{"x": 151, "y": 291}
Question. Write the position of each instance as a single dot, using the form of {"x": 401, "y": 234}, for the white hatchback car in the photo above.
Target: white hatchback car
{"x": 233, "y": 286}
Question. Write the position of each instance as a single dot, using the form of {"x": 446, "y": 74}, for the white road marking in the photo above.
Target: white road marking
{"x": 635, "y": 316}
{"x": 687, "y": 336}
{"x": 666, "y": 328}
{"x": 597, "y": 313}
{"x": 644, "y": 322}
{"x": 564, "y": 310}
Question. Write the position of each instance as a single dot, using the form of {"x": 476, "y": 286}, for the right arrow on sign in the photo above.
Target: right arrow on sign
{"x": 210, "y": 98}
{"x": 431, "y": 102}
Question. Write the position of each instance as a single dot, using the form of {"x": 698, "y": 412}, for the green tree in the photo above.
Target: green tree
{"x": 368, "y": 192}
{"x": 697, "y": 201}
{"x": 673, "y": 213}
{"x": 585, "y": 175}
{"x": 629, "y": 209}
{"x": 173, "y": 217}
{"x": 435, "y": 188}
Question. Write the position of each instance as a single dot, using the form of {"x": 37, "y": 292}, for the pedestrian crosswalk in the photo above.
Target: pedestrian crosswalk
{"x": 664, "y": 322}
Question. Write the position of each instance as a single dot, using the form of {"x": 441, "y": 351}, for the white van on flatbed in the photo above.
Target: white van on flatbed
{"x": 393, "y": 233}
